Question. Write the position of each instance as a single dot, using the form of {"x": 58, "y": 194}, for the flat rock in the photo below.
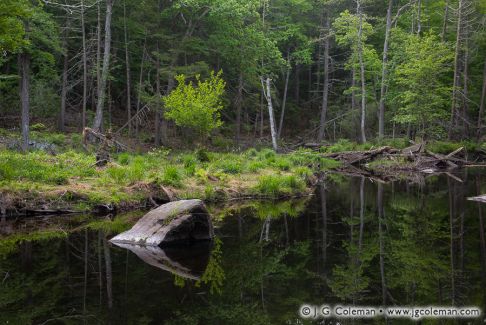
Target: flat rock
{"x": 175, "y": 222}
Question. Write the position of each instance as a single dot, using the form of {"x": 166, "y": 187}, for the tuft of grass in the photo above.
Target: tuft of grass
{"x": 303, "y": 172}
{"x": 276, "y": 185}
{"x": 172, "y": 176}
{"x": 229, "y": 166}
{"x": 190, "y": 163}
{"x": 282, "y": 163}
{"x": 124, "y": 158}
{"x": 255, "y": 166}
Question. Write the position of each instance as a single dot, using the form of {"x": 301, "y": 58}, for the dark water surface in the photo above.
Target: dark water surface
{"x": 355, "y": 241}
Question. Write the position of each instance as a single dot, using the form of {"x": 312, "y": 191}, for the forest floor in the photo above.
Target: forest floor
{"x": 63, "y": 177}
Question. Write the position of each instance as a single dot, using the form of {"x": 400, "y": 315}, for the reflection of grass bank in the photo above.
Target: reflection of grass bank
{"x": 71, "y": 179}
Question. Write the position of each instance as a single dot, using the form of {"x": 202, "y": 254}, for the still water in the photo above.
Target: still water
{"x": 355, "y": 241}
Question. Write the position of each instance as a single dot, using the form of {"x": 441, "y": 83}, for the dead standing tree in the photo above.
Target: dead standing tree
{"x": 266, "y": 87}
{"x": 106, "y": 66}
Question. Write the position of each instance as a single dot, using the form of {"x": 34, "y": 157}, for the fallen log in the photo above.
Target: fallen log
{"x": 175, "y": 222}
{"x": 413, "y": 149}
{"x": 481, "y": 198}
{"x": 455, "y": 152}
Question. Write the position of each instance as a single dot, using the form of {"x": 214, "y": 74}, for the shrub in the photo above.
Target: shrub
{"x": 250, "y": 153}
{"x": 221, "y": 142}
{"x": 202, "y": 155}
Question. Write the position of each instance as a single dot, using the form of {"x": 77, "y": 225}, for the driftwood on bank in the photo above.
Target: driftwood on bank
{"x": 416, "y": 156}
{"x": 175, "y": 222}
{"x": 481, "y": 198}
{"x": 358, "y": 157}
{"x": 414, "y": 162}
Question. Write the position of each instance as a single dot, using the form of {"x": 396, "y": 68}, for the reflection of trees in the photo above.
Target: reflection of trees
{"x": 356, "y": 242}
{"x": 34, "y": 284}
{"x": 214, "y": 274}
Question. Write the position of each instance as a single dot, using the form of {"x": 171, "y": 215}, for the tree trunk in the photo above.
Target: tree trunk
{"x": 325, "y": 88}
{"x": 419, "y": 16}
{"x": 284, "y": 101}
{"x": 24, "y": 71}
{"x": 268, "y": 96}
{"x": 262, "y": 95}
{"x": 444, "y": 23}
{"x": 238, "y": 104}
{"x": 451, "y": 235}
{"x": 324, "y": 224}
{"x": 158, "y": 95}
{"x": 362, "y": 68}
{"x": 139, "y": 92}
{"x": 109, "y": 274}
{"x": 98, "y": 53}
{"x": 361, "y": 214}
{"x": 482, "y": 104}
{"x": 297, "y": 83}
{"x": 85, "y": 68}
{"x": 62, "y": 113}
{"x": 127, "y": 60}
{"x": 381, "y": 116}
{"x": 456, "y": 70}
{"x": 106, "y": 68}
{"x": 381, "y": 214}
{"x": 465, "y": 89}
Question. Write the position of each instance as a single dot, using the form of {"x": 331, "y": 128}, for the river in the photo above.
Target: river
{"x": 355, "y": 241}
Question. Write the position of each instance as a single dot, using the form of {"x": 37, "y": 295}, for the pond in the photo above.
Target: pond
{"x": 355, "y": 241}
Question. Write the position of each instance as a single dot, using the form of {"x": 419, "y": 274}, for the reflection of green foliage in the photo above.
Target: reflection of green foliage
{"x": 349, "y": 281}
{"x": 179, "y": 281}
{"x": 214, "y": 274}
{"x": 26, "y": 297}
{"x": 9, "y": 244}
{"x": 277, "y": 209}
{"x": 119, "y": 224}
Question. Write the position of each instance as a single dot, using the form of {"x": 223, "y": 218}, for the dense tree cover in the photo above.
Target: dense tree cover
{"x": 336, "y": 68}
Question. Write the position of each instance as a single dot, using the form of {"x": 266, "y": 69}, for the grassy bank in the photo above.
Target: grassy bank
{"x": 71, "y": 179}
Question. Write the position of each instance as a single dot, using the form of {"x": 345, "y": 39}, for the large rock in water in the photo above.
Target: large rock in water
{"x": 174, "y": 222}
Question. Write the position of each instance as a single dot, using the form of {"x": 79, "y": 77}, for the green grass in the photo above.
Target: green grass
{"x": 42, "y": 167}
{"x": 446, "y": 147}
{"x": 71, "y": 178}
{"x": 172, "y": 176}
{"x": 278, "y": 185}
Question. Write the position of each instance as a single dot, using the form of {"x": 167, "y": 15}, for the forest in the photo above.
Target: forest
{"x": 279, "y": 71}
{"x": 231, "y": 161}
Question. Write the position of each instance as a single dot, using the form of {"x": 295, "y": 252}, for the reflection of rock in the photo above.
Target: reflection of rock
{"x": 189, "y": 262}
{"x": 179, "y": 221}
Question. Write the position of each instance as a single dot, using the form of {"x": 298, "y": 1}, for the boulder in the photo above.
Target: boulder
{"x": 175, "y": 222}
